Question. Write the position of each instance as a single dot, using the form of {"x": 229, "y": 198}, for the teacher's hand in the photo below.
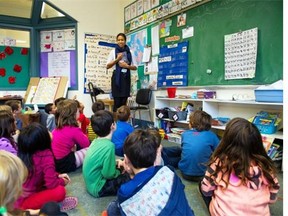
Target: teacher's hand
{"x": 123, "y": 64}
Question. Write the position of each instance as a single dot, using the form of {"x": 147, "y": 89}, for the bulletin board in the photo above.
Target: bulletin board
{"x": 58, "y": 55}
{"x": 14, "y": 68}
{"x": 211, "y": 22}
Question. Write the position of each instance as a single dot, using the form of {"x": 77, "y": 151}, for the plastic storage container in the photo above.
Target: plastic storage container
{"x": 177, "y": 115}
{"x": 269, "y": 95}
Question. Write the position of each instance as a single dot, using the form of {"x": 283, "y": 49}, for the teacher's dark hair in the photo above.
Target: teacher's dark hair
{"x": 121, "y": 34}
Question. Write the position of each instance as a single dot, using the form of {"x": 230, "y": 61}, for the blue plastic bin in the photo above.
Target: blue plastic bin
{"x": 269, "y": 95}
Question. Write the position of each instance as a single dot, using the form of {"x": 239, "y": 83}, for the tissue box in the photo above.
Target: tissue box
{"x": 206, "y": 94}
{"x": 269, "y": 95}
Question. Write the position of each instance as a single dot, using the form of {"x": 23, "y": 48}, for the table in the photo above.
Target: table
{"x": 109, "y": 103}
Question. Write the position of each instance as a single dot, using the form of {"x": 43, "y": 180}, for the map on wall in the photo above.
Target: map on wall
{"x": 97, "y": 49}
{"x": 136, "y": 42}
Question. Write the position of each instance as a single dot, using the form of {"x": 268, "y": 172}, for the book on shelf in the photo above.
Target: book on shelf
{"x": 267, "y": 142}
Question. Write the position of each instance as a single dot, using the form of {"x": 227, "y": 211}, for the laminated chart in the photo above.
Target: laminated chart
{"x": 173, "y": 65}
{"x": 240, "y": 54}
{"x": 97, "y": 49}
{"x": 46, "y": 90}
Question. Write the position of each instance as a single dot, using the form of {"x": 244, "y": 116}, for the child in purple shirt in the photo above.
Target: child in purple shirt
{"x": 69, "y": 143}
{"x": 7, "y": 130}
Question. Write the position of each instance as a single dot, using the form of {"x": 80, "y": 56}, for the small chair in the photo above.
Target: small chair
{"x": 143, "y": 98}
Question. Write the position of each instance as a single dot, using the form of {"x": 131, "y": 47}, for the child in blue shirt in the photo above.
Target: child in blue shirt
{"x": 123, "y": 129}
{"x": 198, "y": 144}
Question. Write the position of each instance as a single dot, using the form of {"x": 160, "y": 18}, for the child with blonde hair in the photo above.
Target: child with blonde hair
{"x": 241, "y": 178}
{"x": 12, "y": 175}
{"x": 43, "y": 184}
{"x": 123, "y": 129}
{"x": 69, "y": 144}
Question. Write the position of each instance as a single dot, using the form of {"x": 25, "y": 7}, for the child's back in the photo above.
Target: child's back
{"x": 123, "y": 129}
{"x": 241, "y": 178}
{"x": 198, "y": 144}
{"x": 154, "y": 190}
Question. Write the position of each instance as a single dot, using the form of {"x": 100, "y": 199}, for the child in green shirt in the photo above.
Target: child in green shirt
{"x": 101, "y": 176}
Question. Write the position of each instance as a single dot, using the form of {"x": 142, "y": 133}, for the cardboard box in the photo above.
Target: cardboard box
{"x": 269, "y": 95}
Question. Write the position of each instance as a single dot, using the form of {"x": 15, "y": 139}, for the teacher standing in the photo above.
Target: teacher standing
{"x": 121, "y": 59}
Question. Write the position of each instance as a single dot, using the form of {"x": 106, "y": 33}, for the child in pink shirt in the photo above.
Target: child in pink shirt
{"x": 69, "y": 143}
{"x": 241, "y": 178}
{"x": 43, "y": 184}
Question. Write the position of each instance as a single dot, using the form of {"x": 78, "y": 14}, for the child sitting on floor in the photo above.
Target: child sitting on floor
{"x": 96, "y": 106}
{"x": 154, "y": 190}
{"x": 7, "y": 130}
{"x": 69, "y": 144}
{"x": 43, "y": 184}
{"x": 99, "y": 168}
{"x": 241, "y": 177}
{"x": 198, "y": 144}
{"x": 16, "y": 111}
{"x": 50, "y": 109}
{"x": 123, "y": 129}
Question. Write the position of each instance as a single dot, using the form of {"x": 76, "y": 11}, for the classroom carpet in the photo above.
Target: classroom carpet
{"x": 90, "y": 206}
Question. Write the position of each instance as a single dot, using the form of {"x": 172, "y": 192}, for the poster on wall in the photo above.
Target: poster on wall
{"x": 240, "y": 54}
{"x": 97, "y": 48}
{"x": 136, "y": 42}
{"x": 173, "y": 65}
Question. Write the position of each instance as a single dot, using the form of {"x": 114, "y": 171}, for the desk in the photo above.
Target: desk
{"x": 109, "y": 103}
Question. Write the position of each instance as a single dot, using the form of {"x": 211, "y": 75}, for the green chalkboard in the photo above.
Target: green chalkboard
{"x": 14, "y": 68}
{"x": 215, "y": 19}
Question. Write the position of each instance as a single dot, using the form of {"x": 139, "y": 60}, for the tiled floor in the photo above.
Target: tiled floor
{"x": 90, "y": 206}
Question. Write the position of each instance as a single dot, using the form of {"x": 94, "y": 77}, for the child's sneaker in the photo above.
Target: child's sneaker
{"x": 69, "y": 203}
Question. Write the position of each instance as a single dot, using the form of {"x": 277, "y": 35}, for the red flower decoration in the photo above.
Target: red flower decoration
{"x": 2, "y": 72}
{"x": 17, "y": 68}
{"x": 24, "y": 51}
{"x": 8, "y": 50}
{"x": 12, "y": 79}
{"x": 2, "y": 55}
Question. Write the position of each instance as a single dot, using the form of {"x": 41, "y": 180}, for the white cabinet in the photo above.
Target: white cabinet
{"x": 223, "y": 108}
